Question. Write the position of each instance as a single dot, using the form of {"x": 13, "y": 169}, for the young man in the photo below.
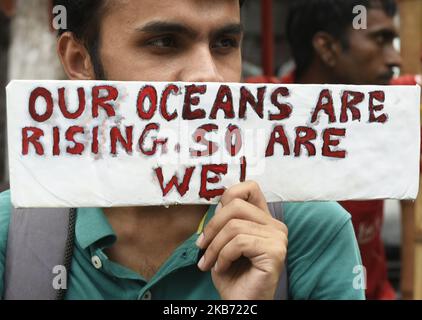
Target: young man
{"x": 327, "y": 49}
{"x": 153, "y": 252}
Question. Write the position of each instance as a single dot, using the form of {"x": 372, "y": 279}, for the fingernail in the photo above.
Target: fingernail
{"x": 215, "y": 267}
{"x": 201, "y": 262}
{"x": 200, "y": 240}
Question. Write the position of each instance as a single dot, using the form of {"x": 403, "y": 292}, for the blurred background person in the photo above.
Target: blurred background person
{"x": 327, "y": 49}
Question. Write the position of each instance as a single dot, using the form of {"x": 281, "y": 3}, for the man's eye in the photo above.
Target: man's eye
{"x": 380, "y": 39}
{"x": 162, "y": 42}
{"x": 226, "y": 43}
{"x": 384, "y": 39}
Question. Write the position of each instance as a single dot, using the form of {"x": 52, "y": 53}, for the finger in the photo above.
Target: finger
{"x": 248, "y": 191}
{"x": 233, "y": 228}
{"x": 236, "y": 209}
{"x": 263, "y": 253}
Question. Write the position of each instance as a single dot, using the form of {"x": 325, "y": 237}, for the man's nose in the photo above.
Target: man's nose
{"x": 393, "y": 58}
{"x": 201, "y": 67}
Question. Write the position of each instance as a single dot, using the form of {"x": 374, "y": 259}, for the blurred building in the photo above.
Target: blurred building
{"x": 252, "y": 40}
{"x": 27, "y": 51}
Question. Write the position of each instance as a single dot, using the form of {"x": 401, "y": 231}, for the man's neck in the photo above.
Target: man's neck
{"x": 146, "y": 236}
{"x": 316, "y": 74}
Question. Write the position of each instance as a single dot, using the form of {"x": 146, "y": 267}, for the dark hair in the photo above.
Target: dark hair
{"x": 83, "y": 20}
{"x": 307, "y": 17}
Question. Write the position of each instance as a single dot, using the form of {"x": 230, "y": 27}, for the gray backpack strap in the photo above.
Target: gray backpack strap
{"x": 282, "y": 292}
{"x": 38, "y": 241}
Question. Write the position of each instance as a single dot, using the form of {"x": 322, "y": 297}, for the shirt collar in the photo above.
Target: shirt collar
{"x": 92, "y": 227}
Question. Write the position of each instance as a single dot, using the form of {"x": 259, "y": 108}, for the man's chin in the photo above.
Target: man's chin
{"x": 384, "y": 80}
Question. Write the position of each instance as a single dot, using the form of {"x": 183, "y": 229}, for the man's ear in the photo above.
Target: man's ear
{"x": 75, "y": 58}
{"x": 327, "y": 48}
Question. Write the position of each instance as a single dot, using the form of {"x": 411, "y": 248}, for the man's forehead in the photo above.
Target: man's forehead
{"x": 198, "y": 13}
{"x": 150, "y": 5}
{"x": 378, "y": 19}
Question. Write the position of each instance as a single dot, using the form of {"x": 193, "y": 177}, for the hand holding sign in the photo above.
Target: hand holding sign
{"x": 245, "y": 246}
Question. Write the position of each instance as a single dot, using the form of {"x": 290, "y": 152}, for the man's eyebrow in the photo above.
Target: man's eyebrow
{"x": 167, "y": 27}
{"x": 174, "y": 27}
{"x": 232, "y": 28}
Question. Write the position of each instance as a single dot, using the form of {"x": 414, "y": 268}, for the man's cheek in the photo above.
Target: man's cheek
{"x": 233, "y": 74}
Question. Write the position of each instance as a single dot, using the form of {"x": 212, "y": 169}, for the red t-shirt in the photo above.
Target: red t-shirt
{"x": 367, "y": 218}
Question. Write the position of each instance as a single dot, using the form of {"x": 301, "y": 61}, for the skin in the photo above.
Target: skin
{"x": 369, "y": 58}
{"x": 193, "y": 41}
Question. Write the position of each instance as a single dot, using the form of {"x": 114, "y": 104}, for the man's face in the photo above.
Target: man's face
{"x": 168, "y": 40}
{"x": 370, "y": 56}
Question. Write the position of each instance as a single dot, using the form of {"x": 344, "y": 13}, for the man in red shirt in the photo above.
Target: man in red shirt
{"x": 328, "y": 48}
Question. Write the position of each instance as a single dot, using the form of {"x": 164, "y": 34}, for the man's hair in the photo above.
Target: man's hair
{"x": 83, "y": 20}
{"x": 307, "y": 17}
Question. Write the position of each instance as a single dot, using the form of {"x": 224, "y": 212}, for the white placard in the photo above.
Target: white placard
{"x": 103, "y": 144}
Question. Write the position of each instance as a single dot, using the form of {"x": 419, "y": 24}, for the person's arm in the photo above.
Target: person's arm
{"x": 4, "y": 228}
{"x": 324, "y": 261}
{"x": 341, "y": 274}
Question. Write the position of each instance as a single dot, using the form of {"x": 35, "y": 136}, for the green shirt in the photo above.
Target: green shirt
{"x": 322, "y": 254}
